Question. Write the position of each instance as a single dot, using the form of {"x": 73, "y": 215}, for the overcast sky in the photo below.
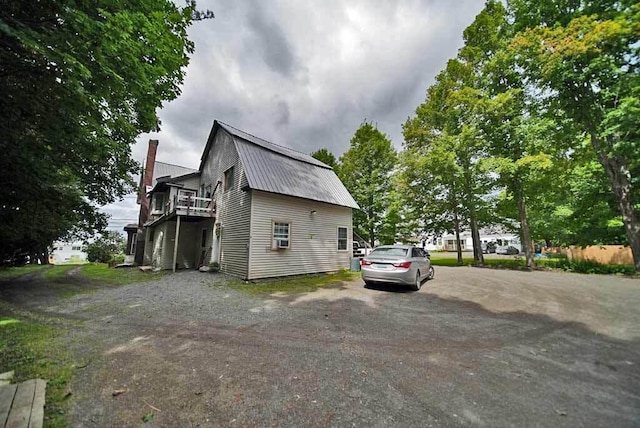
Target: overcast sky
{"x": 305, "y": 74}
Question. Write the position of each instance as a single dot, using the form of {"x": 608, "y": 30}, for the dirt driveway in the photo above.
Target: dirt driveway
{"x": 474, "y": 347}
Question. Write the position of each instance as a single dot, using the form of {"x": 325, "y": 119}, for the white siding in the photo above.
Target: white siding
{"x": 64, "y": 252}
{"x": 233, "y": 207}
{"x": 314, "y": 237}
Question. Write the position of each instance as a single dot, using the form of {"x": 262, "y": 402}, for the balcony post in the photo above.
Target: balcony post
{"x": 175, "y": 245}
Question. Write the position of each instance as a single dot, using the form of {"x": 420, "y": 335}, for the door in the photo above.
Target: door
{"x": 205, "y": 248}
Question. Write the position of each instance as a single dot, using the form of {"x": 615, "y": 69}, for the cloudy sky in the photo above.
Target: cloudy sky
{"x": 305, "y": 74}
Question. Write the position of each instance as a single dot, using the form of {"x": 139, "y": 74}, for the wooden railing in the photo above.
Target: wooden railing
{"x": 192, "y": 205}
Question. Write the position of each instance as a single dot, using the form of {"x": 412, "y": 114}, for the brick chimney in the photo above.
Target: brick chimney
{"x": 146, "y": 179}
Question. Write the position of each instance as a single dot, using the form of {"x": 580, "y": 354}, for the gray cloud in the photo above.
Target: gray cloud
{"x": 269, "y": 40}
{"x": 305, "y": 75}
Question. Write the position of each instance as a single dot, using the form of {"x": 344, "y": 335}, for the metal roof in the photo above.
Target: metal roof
{"x": 277, "y": 169}
{"x": 285, "y": 151}
{"x": 162, "y": 169}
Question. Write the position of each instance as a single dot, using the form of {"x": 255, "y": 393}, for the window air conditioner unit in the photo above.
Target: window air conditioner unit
{"x": 282, "y": 243}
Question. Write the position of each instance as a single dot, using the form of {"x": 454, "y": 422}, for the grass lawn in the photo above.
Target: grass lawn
{"x": 518, "y": 263}
{"x": 15, "y": 272}
{"x": 120, "y": 276}
{"x": 27, "y": 347}
{"x": 296, "y": 284}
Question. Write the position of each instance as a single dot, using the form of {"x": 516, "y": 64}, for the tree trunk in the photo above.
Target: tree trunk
{"x": 456, "y": 223}
{"x": 44, "y": 256}
{"x": 527, "y": 245}
{"x": 372, "y": 239}
{"x": 475, "y": 236}
{"x": 620, "y": 180}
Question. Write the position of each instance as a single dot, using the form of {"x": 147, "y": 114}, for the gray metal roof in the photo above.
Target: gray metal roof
{"x": 162, "y": 169}
{"x": 285, "y": 151}
{"x": 277, "y": 169}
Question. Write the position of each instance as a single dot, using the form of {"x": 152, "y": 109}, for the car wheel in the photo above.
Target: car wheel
{"x": 368, "y": 284}
{"x": 432, "y": 273}
{"x": 418, "y": 283}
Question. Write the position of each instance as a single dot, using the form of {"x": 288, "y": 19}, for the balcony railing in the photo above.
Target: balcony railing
{"x": 191, "y": 206}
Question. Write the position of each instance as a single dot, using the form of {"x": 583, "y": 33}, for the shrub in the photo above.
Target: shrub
{"x": 587, "y": 266}
{"x": 105, "y": 248}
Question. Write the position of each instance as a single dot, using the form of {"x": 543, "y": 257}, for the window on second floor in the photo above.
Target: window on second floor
{"x": 76, "y": 248}
{"x": 229, "y": 178}
{"x": 158, "y": 202}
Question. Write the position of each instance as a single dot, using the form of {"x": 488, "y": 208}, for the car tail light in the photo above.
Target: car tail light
{"x": 405, "y": 265}
{"x": 364, "y": 262}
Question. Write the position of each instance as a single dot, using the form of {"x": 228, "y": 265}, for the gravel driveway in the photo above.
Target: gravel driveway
{"x": 474, "y": 347}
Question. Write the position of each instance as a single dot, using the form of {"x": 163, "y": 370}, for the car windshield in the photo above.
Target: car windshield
{"x": 389, "y": 251}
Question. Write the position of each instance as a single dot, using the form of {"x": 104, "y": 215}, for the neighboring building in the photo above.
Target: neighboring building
{"x": 255, "y": 208}
{"x": 67, "y": 252}
{"x": 497, "y": 234}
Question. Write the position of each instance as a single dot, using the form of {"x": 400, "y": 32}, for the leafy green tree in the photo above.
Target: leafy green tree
{"x": 325, "y": 156}
{"x": 105, "y": 247}
{"x": 583, "y": 56}
{"x": 429, "y": 181}
{"x": 447, "y": 128}
{"x": 365, "y": 170}
{"x": 79, "y": 81}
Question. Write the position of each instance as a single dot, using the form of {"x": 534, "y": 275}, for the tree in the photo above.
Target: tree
{"x": 105, "y": 248}
{"x": 366, "y": 171}
{"x": 584, "y": 59}
{"x": 447, "y": 129}
{"x": 325, "y": 156}
{"x": 429, "y": 181}
{"x": 78, "y": 83}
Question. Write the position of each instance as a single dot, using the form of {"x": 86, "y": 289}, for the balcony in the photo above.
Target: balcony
{"x": 189, "y": 205}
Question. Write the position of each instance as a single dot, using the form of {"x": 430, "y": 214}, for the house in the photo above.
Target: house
{"x": 255, "y": 208}
{"x": 67, "y": 252}
{"x": 153, "y": 171}
{"x": 447, "y": 242}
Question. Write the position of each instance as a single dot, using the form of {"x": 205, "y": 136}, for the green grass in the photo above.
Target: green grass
{"x": 57, "y": 273}
{"x": 15, "y": 272}
{"x": 28, "y": 348}
{"x": 493, "y": 263}
{"x": 120, "y": 276}
{"x": 578, "y": 266}
{"x": 296, "y": 284}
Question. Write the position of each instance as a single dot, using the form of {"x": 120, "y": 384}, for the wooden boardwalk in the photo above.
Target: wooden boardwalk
{"x": 22, "y": 404}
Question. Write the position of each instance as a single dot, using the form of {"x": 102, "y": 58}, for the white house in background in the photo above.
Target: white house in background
{"x": 257, "y": 209}
{"x": 67, "y": 252}
{"x": 497, "y": 234}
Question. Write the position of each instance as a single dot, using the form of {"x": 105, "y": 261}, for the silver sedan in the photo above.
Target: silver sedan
{"x": 398, "y": 264}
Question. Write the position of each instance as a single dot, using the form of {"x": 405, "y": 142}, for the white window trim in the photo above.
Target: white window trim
{"x": 274, "y": 245}
{"x": 338, "y": 239}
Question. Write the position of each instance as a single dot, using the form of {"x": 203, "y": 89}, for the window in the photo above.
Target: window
{"x": 390, "y": 251}
{"x": 75, "y": 248}
{"x": 159, "y": 202}
{"x": 280, "y": 235}
{"x": 134, "y": 237}
{"x": 342, "y": 238}
{"x": 229, "y": 178}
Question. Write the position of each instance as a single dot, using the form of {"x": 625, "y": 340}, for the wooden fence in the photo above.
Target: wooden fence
{"x": 606, "y": 254}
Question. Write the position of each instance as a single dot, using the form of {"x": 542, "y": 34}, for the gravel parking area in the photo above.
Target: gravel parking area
{"x": 474, "y": 347}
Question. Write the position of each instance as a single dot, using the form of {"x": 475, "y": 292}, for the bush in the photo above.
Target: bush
{"x": 587, "y": 266}
{"x": 116, "y": 260}
{"x": 105, "y": 248}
